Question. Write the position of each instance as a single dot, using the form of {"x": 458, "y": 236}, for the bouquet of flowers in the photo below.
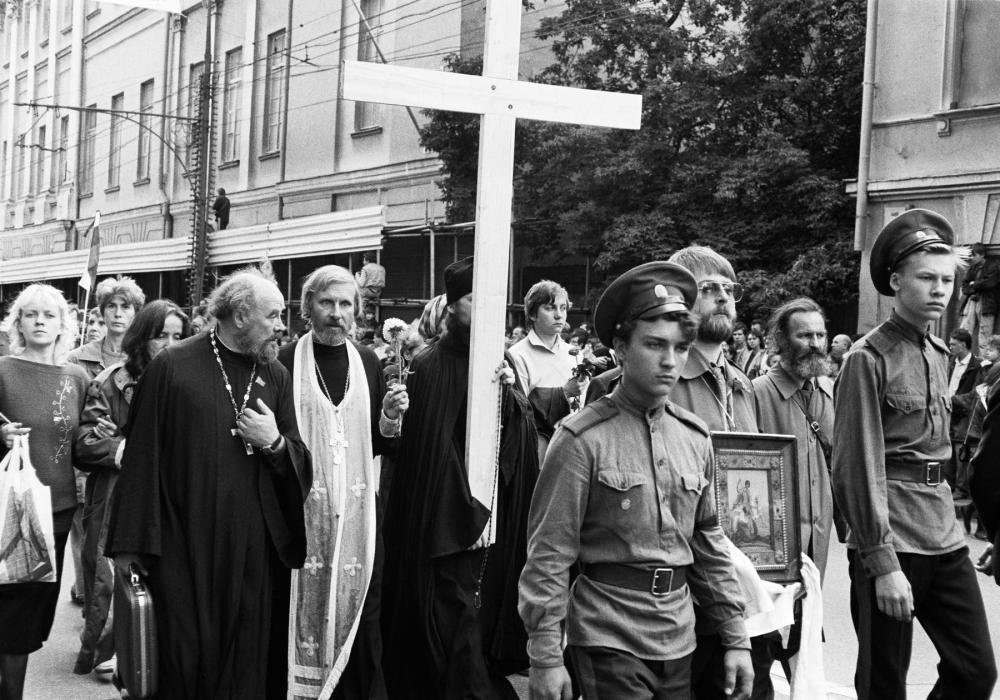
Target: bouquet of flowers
{"x": 394, "y": 332}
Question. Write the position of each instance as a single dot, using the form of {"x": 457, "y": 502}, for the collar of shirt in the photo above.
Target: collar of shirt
{"x": 965, "y": 362}
{"x": 906, "y": 329}
{"x": 787, "y": 384}
{"x": 556, "y": 349}
{"x": 621, "y": 399}
{"x": 697, "y": 364}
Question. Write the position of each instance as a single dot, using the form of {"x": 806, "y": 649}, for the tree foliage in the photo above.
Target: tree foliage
{"x": 750, "y": 120}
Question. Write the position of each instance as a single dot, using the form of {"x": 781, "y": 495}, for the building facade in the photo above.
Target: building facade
{"x": 96, "y": 115}
{"x": 935, "y": 128}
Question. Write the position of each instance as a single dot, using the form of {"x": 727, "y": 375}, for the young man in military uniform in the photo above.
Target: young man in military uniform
{"x": 626, "y": 492}
{"x": 890, "y": 440}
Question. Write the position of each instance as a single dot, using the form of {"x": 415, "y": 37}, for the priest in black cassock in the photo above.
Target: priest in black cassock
{"x": 209, "y": 501}
{"x": 449, "y": 605}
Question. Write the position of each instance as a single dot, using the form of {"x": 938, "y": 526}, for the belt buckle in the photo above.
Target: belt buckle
{"x": 655, "y": 588}
{"x": 935, "y": 469}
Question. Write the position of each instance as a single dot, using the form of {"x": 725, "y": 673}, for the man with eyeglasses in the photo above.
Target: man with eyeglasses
{"x": 719, "y": 393}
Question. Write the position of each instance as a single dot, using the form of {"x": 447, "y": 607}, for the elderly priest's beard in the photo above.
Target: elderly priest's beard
{"x": 715, "y": 328}
{"x": 459, "y": 333}
{"x": 265, "y": 352}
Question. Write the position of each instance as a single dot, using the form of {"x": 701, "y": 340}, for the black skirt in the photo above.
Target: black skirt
{"x": 28, "y": 609}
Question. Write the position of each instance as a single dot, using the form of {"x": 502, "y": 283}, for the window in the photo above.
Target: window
{"x": 145, "y": 124}
{"x": 366, "y": 114}
{"x": 39, "y": 153}
{"x": 274, "y": 92}
{"x": 3, "y": 170}
{"x": 44, "y": 8}
{"x": 62, "y": 175}
{"x": 23, "y": 31}
{"x": 115, "y": 141}
{"x": 196, "y": 71}
{"x": 67, "y": 14}
{"x": 231, "y": 96}
{"x": 87, "y": 142}
{"x": 22, "y": 148}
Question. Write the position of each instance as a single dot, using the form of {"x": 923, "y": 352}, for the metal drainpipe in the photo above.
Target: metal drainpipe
{"x": 867, "y": 97}
{"x": 284, "y": 106}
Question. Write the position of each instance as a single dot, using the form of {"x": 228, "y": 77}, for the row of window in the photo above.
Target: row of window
{"x": 232, "y": 97}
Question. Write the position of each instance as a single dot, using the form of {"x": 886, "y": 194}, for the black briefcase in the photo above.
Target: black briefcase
{"x": 137, "y": 675}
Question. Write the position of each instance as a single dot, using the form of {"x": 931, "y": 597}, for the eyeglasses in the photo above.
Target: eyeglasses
{"x": 714, "y": 289}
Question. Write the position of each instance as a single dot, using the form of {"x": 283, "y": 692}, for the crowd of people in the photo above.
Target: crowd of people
{"x": 301, "y": 509}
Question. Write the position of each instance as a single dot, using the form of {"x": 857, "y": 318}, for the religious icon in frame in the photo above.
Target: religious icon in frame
{"x": 756, "y": 493}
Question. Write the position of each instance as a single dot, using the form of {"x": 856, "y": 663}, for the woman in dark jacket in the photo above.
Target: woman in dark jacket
{"x": 99, "y": 446}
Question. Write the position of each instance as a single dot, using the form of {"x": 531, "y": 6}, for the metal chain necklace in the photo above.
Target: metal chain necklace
{"x": 477, "y": 598}
{"x": 326, "y": 392}
{"x": 238, "y": 410}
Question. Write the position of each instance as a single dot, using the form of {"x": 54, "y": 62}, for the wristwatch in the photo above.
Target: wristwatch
{"x": 273, "y": 447}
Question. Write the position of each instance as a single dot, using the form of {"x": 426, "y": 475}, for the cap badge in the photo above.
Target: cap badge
{"x": 661, "y": 292}
{"x": 920, "y": 234}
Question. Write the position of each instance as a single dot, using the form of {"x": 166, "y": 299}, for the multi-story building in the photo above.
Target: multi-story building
{"x": 311, "y": 178}
{"x": 936, "y": 126}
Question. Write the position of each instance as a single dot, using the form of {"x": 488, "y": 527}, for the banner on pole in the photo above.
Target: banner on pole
{"x": 90, "y": 273}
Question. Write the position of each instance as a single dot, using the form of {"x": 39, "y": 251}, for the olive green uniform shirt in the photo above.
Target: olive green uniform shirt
{"x": 627, "y": 486}
{"x": 891, "y": 404}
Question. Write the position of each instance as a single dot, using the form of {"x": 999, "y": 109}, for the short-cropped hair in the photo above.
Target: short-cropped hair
{"x": 541, "y": 293}
{"x": 124, "y": 287}
{"x": 994, "y": 342}
{"x": 688, "y": 321}
{"x": 237, "y": 292}
{"x": 321, "y": 278}
{"x": 963, "y": 336}
{"x": 701, "y": 261}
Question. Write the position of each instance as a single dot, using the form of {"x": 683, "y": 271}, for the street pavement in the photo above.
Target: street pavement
{"x": 50, "y": 671}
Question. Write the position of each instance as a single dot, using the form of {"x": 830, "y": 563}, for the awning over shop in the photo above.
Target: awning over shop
{"x": 124, "y": 258}
{"x": 337, "y": 232}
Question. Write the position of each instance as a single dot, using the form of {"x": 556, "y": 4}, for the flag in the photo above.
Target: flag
{"x": 90, "y": 273}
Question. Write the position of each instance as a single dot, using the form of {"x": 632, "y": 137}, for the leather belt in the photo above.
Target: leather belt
{"x": 659, "y": 581}
{"x": 917, "y": 471}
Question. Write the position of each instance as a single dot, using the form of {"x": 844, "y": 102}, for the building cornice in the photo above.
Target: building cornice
{"x": 935, "y": 185}
{"x": 411, "y": 171}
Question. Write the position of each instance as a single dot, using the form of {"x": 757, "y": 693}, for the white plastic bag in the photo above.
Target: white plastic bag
{"x": 27, "y": 538}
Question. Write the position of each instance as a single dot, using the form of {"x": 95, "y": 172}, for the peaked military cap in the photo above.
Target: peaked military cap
{"x": 910, "y": 232}
{"x": 646, "y": 291}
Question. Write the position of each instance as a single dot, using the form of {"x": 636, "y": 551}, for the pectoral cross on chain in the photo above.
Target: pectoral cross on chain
{"x": 246, "y": 445}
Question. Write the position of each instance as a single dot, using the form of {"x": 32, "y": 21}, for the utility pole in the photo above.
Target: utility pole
{"x": 201, "y": 170}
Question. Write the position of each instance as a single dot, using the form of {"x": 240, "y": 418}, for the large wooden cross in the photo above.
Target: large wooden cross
{"x": 500, "y": 99}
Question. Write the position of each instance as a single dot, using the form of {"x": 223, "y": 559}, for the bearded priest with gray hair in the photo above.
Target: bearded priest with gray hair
{"x": 347, "y": 417}
{"x": 209, "y": 502}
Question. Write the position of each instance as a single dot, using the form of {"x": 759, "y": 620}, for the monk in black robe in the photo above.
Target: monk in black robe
{"x": 450, "y": 623}
{"x": 210, "y": 503}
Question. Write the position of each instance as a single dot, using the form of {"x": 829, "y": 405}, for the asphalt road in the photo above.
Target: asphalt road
{"x": 50, "y": 671}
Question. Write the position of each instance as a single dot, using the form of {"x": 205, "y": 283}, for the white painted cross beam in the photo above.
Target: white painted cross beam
{"x": 500, "y": 98}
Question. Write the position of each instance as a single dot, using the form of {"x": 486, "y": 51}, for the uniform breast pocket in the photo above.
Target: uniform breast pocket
{"x": 906, "y": 403}
{"x": 694, "y": 484}
{"x": 620, "y": 499}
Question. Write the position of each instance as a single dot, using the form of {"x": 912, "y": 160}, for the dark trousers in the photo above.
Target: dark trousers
{"x": 947, "y": 602}
{"x": 709, "y": 673}
{"x": 601, "y": 673}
